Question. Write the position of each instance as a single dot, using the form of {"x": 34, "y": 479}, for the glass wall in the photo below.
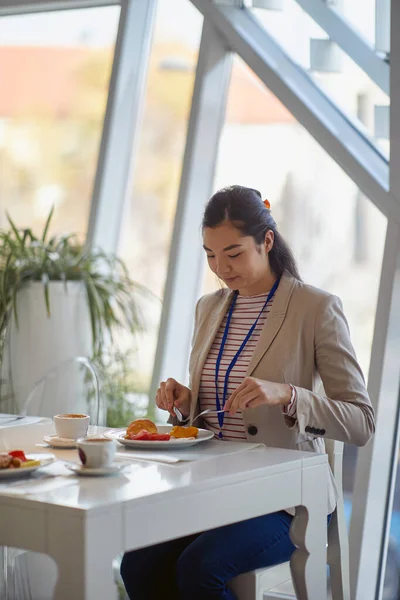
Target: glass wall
{"x": 337, "y": 235}
{"x": 341, "y": 79}
{"x": 150, "y": 214}
{"x": 54, "y": 75}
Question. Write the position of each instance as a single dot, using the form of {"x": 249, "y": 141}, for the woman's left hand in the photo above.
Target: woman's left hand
{"x": 254, "y": 392}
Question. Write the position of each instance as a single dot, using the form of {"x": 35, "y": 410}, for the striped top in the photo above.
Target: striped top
{"x": 245, "y": 312}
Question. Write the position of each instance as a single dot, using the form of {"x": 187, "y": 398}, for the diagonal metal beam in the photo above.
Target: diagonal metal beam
{"x": 360, "y": 50}
{"x": 17, "y": 7}
{"x": 345, "y": 141}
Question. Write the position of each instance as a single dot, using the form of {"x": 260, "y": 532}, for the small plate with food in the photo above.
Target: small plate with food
{"x": 16, "y": 463}
{"x": 143, "y": 433}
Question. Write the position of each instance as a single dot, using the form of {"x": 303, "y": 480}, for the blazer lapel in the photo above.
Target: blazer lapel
{"x": 274, "y": 320}
{"x": 208, "y": 333}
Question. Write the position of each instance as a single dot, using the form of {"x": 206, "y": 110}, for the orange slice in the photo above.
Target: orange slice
{"x": 183, "y": 432}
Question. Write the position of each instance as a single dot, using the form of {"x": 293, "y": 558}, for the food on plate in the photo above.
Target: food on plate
{"x": 16, "y": 459}
{"x": 8, "y": 462}
{"x": 139, "y": 425}
{"x": 146, "y": 431}
{"x": 18, "y": 454}
{"x": 184, "y": 432}
{"x": 29, "y": 463}
{"x": 147, "y": 436}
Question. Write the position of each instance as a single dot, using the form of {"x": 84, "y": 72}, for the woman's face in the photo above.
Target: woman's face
{"x": 237, "y": 260}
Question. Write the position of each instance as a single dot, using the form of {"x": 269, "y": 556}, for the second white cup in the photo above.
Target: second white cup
{"x": 96, "y": 452}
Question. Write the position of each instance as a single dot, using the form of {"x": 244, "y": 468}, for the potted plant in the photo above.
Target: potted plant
{"x": 123, "y": 390}
{"x": 58, "y": 299}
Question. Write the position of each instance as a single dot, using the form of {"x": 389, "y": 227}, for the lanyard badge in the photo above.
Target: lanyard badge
{"x": 234, "y": 359}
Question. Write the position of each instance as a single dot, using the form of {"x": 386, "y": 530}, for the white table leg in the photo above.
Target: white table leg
{"x": 84, "y": 549}
{"x": 309, "y": 534}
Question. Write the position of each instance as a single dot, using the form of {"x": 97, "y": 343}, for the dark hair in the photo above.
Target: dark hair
{"x": 245, "y": 208}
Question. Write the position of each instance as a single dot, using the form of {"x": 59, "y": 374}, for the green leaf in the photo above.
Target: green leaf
{"x": 111, "y": 293}
{"x": 15, "y": 230}
{"x": 14, "y": 305}
{"x": 46, "y": 227}
{"x": 93, "y": 319}
{"x": 45, "y": 281}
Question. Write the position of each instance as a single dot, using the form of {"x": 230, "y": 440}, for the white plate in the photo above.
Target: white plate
{"x": 55, "y": 442}
{"x": 91, "y": 472}
{"x": 45, "y": 459}
{"x": 172, "y": 444}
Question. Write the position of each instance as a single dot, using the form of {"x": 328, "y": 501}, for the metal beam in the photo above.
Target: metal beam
{"x": 382, "y": 25}
{"x": 18, "y": 7}
{"x": 238, "y": 3}
{"x": 336, "y": 133}
{"x": 377, "y": 463}
{"x": 359, "y": 49}
{"x": 186, "y": 261}
{"x": 394, "y": 117}
{"x": 121, "y": 125}
{"x": 373, "y": 488}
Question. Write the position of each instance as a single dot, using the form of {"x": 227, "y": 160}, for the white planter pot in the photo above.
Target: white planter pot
{"x": 40, "y": 343}
{"x": 37, "y": 345}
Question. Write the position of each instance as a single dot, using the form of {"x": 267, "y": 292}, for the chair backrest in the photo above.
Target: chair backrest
{"x": 338, "y": 544}
{"x": 72, "y": 386}
{"x": 334, "y": 451}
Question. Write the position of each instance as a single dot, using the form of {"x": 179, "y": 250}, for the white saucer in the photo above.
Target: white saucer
{"x": 92, "y": 472}
{"x": 56, "y": 442}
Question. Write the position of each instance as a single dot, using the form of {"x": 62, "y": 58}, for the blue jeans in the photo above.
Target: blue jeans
{"x": 198, "y": 567}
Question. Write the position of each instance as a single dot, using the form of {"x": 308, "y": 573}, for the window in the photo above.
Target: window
{"x": 318, "y": 208}
{"x": 54, "y": 74}
{"x": 337, "y": 235}
{"x": 330, "y": 68}
{"x": 150, "y": 215}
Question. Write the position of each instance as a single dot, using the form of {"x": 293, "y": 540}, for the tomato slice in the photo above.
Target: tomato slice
{"x": 18, "y": 454}
{"x": 159, "y": 437}
{"x": 142, "y": 435}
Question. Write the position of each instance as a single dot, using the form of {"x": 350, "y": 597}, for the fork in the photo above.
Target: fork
{"x": 181, "y": 418}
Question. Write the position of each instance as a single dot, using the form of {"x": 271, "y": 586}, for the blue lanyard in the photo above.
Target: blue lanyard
{"x": 234, "y": 359}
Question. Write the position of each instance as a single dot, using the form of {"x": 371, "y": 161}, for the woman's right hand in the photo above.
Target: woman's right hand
{"x": 172, "y": 393}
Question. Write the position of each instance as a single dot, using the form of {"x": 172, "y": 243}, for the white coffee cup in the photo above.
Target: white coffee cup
{"x": 95, "y": 451}
{"x": 71, "y": 425}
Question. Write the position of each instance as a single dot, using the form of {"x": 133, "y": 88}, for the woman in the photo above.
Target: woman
{"x": 260, "y": 350}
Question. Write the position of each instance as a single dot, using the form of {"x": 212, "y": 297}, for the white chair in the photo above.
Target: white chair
{"x": 275, "y": 582}
{"x": 71, "y": 386}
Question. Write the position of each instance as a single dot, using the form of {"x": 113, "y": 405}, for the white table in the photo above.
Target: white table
{"x": 83, "y": 523}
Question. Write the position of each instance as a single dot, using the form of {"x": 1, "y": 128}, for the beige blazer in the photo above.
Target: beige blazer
{"x": 305, "y": 342}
